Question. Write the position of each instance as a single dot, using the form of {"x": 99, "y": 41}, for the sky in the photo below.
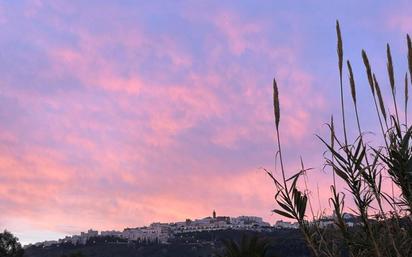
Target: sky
{"x": 117, "y": 114}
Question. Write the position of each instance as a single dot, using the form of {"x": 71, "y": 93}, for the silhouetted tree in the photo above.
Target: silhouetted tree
{"x": 9, "y": 245}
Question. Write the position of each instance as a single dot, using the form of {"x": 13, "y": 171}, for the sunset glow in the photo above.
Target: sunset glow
{"x": 124, "y": 113}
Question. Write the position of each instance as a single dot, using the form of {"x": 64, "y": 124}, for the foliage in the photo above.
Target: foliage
{"x": 9, "y": 245}
{"x": 248, "y": 246}
{"x": 76, "y": 254}
{"x": 385, "y": 218}
{"x": 283, "y": 242}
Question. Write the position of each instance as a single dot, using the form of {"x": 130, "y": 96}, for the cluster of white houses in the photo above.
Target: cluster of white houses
{"x": 161, "y": 232}
{"x": 326, "y": 221}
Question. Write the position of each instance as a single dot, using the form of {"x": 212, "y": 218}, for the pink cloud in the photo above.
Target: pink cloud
{"x": 124, "y": 145}
{"x": 400, "y": 21}
{"x": 83, "y": 67}
{"x": 240, "y": 35}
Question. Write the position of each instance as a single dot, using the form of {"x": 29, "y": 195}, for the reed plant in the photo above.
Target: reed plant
{"x": 385, "y": 218}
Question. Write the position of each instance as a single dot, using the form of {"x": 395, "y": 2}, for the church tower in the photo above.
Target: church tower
{"x": 214, "y": 214}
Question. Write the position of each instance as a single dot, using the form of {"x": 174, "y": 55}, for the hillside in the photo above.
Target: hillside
{"x": 200, "y": 244}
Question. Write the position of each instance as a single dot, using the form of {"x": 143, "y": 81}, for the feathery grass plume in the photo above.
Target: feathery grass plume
{"x": 339, "y": 48}
{"x": 406, "y": 99}
{"x": 371, "y": 84}
{"x": 340, "y": 58}
{"x": 368, "y": 70}
{"x": 389, "y": 66}
{"x": 276, "y": 110}
{"x": 352, "y": 82}
{"x": 276, "y": 107}
{"x": 408, "y": 39}
{"x": 353, "y": 91}
{"x": 379, "y": 94}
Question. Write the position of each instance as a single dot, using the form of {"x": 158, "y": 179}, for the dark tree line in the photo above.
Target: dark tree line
{"x": 9, "y": 245}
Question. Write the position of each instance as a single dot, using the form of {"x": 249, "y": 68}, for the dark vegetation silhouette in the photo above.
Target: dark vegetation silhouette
{"x": 283, "y": 242}
{"x": 76, "y": 254}
{"x": 363, "y": 166}
{"x": 9, "y": 245}
{"x": 248, "y": 246}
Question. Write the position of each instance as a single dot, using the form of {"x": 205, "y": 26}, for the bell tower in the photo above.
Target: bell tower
{"x": 214, "y": 214}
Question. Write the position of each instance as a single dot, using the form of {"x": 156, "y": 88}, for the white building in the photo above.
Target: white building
{"x": 111, "y": 233}
{"x": 328, "y": 221}
{"x": 85, "y": 236}
{"x": 220, "y": 223}
{"x": 155, "y": 232}
{"x": 286, "y": 224}
{"x": 49, "y": 243}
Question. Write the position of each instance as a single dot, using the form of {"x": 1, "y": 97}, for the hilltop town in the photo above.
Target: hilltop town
{"x": 161, "y": 232}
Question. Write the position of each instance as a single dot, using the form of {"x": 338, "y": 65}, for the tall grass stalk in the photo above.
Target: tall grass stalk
{"x": 332, "y": 143}
{"x": 292, "y": 201}
{"x": 372, "y": 87}
{"x": 392, "y": 79}
{"x": 406, "y": 90}
{"x": 340, "y": 64}
{"x": 371, "y": 173}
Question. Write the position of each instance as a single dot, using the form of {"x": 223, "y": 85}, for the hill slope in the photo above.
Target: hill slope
{"x": 285, "y": 243}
